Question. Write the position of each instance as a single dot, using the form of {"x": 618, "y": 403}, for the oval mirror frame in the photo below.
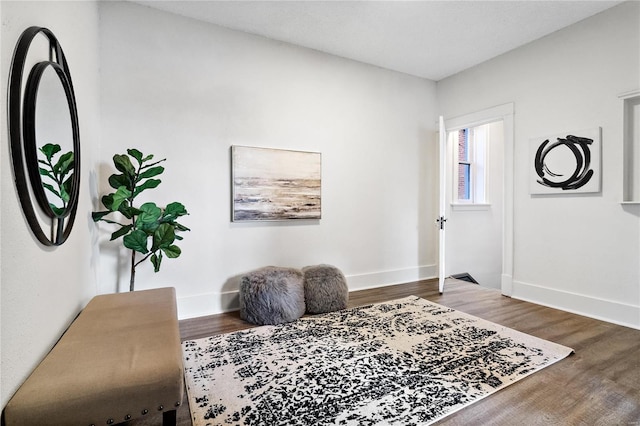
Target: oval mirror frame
{"x": 23, "y": 143}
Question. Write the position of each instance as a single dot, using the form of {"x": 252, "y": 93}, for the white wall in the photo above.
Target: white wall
{"x": 43, "y": 289}
{"x": 187, "y": 91}
{"x": 579, "y": 253}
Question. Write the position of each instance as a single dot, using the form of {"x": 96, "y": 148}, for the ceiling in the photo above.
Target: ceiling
{"x": 429, "y": 39}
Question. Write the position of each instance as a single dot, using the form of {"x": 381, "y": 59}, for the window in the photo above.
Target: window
{"x": 464, "y": 166}
{"x": 470, "y": 173}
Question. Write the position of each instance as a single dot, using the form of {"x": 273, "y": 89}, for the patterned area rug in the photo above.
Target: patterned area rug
{"x": 404, "y": 362}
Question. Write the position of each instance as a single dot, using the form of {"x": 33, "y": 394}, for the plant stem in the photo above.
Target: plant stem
{"x": 143, "y": 259}
{"x": 133, "y": 252}
{"x": 133, "y": 270}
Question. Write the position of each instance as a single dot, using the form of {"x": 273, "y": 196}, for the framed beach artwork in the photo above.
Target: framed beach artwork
{"x": 275, "y": 184}
{"x": 566, "y": 163}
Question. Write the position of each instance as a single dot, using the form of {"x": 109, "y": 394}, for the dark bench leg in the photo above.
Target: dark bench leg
{"x": 169, "y": 418}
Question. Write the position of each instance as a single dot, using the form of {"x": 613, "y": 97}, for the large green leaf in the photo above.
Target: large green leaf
{"x": 66, "y": 188}
{"x": 45, "y": 172}
{"x": 154, "y": 171}
{"x": 151, "y": 183}
{"x": 163, "y": 237}
{"x": 128, "y": 211}
{"x": 180, "y": 227}
{"x": 174, "y": 210}
{"x": 150, "y": 157}
{"x": 64, "y": 195}
{"x": 51, "y": 188}
{"x": 123, "y": 164}
{"x": 121, "y": 195}
{"x": 172, "y": 251}
{"x": 150, "y": 213}
{"x": 96, "y": 216}
{"x": 107, "y": 201}
{"x": 148, "y": 227}
{"x": 135, "y": 154}
{"x": 64, "y": 164}
{"x": 136, "y": 240}
{"x": 116, "y": 181}
{"x": 49, "y": 150}
{"x": 156, "y": 260}
{"x": 120, "y": 232}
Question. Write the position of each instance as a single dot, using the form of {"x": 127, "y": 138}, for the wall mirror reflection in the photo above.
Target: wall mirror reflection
{"x": 43, "y": 128}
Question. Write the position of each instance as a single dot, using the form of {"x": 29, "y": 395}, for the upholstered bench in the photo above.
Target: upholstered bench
{"x": 120, "y": 359}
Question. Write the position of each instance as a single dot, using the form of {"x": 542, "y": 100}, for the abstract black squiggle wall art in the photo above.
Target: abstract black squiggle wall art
{"x": 566, "y": 163}
{"x": 582, "y": 173}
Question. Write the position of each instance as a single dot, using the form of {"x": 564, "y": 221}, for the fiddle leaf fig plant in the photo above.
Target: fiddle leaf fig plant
{"x": 60, "y": 173}
{"x": 150, "y": 230}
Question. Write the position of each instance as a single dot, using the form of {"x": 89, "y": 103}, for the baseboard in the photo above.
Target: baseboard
{"x": 216, "y": 303}
{"x": 597, "y": 308}
{"x": 207, "y": 304}
{"x": 385, "y": 278}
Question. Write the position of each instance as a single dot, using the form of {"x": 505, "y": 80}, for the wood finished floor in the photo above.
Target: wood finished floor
{"x": 598, "y": 385}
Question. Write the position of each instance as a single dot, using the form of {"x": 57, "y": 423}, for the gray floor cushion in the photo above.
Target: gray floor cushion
{"x": 325, "y": 289}
{"x": 272, "y": 295}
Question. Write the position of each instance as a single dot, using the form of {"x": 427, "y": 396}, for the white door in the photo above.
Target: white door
{"x": 441, "y": 221}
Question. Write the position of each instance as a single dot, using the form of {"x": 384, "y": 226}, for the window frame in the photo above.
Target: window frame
{"x": 476, "y": 147}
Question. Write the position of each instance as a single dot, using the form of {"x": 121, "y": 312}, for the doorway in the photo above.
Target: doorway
{"x": 479, "y": 224}
{"x": 475, "y": 203}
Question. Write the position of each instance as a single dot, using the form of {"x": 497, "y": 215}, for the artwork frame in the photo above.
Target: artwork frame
{"x": 566, "y": 163}
{"x": 269, "y": 184}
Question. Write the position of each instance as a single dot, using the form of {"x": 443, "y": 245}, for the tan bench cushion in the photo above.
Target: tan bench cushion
{"x": 120, "y": 357}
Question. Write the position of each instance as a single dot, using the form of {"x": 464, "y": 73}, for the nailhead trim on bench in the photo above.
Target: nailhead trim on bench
{"x": 143, "y": 412}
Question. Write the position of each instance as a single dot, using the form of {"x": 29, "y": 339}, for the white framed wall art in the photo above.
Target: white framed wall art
{"x": 566, "y": 163}
{"x": 275, "y": 184}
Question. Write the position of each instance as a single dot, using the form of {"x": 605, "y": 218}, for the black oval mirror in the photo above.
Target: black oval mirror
{"x": 43, "y": 128}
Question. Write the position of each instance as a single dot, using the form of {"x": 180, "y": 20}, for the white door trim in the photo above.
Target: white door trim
{"x": 505, "y": 113}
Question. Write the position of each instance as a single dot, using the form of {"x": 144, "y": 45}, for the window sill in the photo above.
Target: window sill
{"x": 470, "y": 207}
